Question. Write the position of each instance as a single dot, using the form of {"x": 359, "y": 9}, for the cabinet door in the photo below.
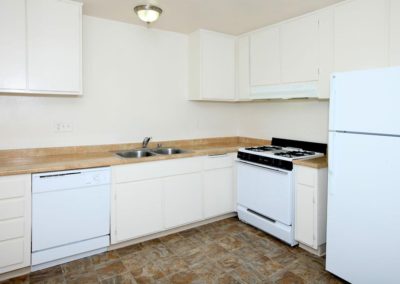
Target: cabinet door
{"x": 15, "y": 222}
{"x": 218, "y": 66}
{"x": 243, "y": 68}
{"x": 12, "y": 45}
{"x": 361, "y": 35}
{"x": 218, "y": 192}
{"x": 183, "y": 199}
{"x": 265, "y": 67}
{"x": 395, "y": 33}
{"x": 299, "y": 40}
{"x": 54, "y": 46}
{"x": 137, "y": 209}
{"x": 326, "y": 52}
{"x": 304, "y": 230}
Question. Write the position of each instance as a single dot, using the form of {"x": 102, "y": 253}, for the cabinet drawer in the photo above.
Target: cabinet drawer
{"x": 12, "y": 208}
{"x": 11, "y": 252}
{"x": 11, "y": 229}
{"x": 218, "y": 161}
{"x": 157, "y": 169}
{"x": 306, "y": 176}
{"x": 12, "y": 187}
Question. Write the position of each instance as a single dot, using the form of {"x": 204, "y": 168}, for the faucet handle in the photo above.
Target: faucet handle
{"x": 146, "y": 141}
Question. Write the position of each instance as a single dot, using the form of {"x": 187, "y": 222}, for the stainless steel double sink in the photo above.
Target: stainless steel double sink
{"x": 142, "y": 153}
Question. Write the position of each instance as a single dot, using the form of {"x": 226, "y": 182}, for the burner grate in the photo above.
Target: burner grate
{"x": 264, "y": 148}
{"x": 294, "y": 154}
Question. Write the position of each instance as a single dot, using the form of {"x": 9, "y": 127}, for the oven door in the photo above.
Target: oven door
{"x": 265, "y": 191}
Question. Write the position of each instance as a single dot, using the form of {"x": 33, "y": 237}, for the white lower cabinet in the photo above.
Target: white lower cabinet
{"x": 218, "y": 193}
{"x": 15, "y": 222}
{"x": 310, "y": 208}
{"x": 183, "y": 195}
{"x": 138, "y": 209}
{"x": 155, "y": 196}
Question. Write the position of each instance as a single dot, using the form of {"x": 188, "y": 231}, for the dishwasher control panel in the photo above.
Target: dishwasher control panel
{"x": 50, "y": 181}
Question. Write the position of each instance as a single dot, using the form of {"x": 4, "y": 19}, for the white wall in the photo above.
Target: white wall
{"x": 135, "y": 85}
{"x": 299, "y": 119}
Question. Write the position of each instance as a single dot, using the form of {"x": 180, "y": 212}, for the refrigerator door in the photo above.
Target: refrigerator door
{"x": 366, "y": 101}
{"x": 364, "y": 208}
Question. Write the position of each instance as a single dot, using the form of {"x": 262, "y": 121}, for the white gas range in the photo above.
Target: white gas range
{"x": 266, "y": 187}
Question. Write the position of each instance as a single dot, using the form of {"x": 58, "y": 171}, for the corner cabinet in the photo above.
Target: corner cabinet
{"x": 41, "y": 47}
{"x": 395, "y": 33}
{"x": 152, "y": 197}
{"x": 311, "y": 208}
{"x": 15, "y": 222}
{"x": 361, "y": 34}
{"x": 211, "y": 66}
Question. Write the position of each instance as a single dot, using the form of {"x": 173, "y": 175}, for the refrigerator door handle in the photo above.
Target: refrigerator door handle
{"x": 331, "y": 162}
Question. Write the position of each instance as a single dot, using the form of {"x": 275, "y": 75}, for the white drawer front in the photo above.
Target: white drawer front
{"x": 11, "y": 252}
{"x": 150, "y": 170}
{"x": 11, "y": 229}
{"x": 12, "y": 187}
{"x": 306, "y": 176}
{"x": 12, "y": 208}
{"x": 219, "y": 161}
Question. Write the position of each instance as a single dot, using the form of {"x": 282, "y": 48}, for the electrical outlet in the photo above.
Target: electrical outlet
{"x": 63, "y": 127}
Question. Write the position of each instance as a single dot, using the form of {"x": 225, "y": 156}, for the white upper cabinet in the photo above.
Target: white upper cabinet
{"x": 41, "y": 46}
{"x": 361, "y": 35}
{"x": 326, "y": 52}
{"x": 12, "y": 45}
{"x": 54, "y": 46}
{"x": 299, "y": 50}
{"x": 265, "y": 65}
{"x": 395, "y": 33}
{"x": 212, "y": 66}
{"x": 243, "y": 68}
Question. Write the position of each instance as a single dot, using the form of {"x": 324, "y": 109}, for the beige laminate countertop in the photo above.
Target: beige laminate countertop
{"x": 28, "y": 161}
{"x": 29, "y": 165}
{"x": 317, "y": 163}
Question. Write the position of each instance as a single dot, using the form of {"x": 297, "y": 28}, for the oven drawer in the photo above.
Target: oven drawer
{"x": 265, "y": 191}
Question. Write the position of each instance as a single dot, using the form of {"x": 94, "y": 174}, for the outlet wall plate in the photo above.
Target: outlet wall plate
{"x": 63, "y": 127}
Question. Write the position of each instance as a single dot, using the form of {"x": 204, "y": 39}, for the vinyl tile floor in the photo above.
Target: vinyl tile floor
{"x": 227, "y": 251}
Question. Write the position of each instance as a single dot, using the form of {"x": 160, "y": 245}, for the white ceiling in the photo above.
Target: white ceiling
{"x": 228, "y": 16}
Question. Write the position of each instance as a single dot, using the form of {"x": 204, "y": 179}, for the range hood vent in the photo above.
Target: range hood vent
{"x": 285, "y": 91}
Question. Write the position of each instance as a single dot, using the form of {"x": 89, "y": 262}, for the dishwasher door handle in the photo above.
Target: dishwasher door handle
{"x": 60, "y": 175}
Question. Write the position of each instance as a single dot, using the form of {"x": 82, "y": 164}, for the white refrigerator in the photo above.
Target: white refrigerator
{"x": 363, "y": 235}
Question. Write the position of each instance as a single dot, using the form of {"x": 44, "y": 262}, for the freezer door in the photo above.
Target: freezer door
{"x": 366, "y": 101}
{"x": 364, "y": 208}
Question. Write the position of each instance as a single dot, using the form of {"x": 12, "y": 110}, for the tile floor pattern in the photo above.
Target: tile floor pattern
{"x": 227, "y": 251}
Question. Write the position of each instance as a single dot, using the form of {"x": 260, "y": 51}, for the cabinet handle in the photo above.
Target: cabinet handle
{"x": 218, "y": 155}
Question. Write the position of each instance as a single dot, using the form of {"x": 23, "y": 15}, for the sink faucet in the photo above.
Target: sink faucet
{"x": 145, "y": 142}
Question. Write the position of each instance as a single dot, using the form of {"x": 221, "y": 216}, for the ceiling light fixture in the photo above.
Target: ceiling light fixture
{"x": 148, "y": 13}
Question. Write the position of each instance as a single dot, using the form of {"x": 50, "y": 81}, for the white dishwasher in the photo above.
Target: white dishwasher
{"x": 70, "y": 214}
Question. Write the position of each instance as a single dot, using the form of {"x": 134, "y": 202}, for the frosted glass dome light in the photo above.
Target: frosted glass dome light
{"x": 148, "y": 13}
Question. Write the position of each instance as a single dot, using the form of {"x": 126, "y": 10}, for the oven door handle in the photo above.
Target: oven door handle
{"x": 264, "y": 167}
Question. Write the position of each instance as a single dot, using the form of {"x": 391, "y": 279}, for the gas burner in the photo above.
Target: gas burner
{"x": 264, "y": 148}
{"x": 293, "y": 154}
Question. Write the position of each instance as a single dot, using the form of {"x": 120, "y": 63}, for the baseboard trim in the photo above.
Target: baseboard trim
{"x": 171, "y": 231}
{"x": 321, "y": 251}
{"x": 15, "y": 273}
